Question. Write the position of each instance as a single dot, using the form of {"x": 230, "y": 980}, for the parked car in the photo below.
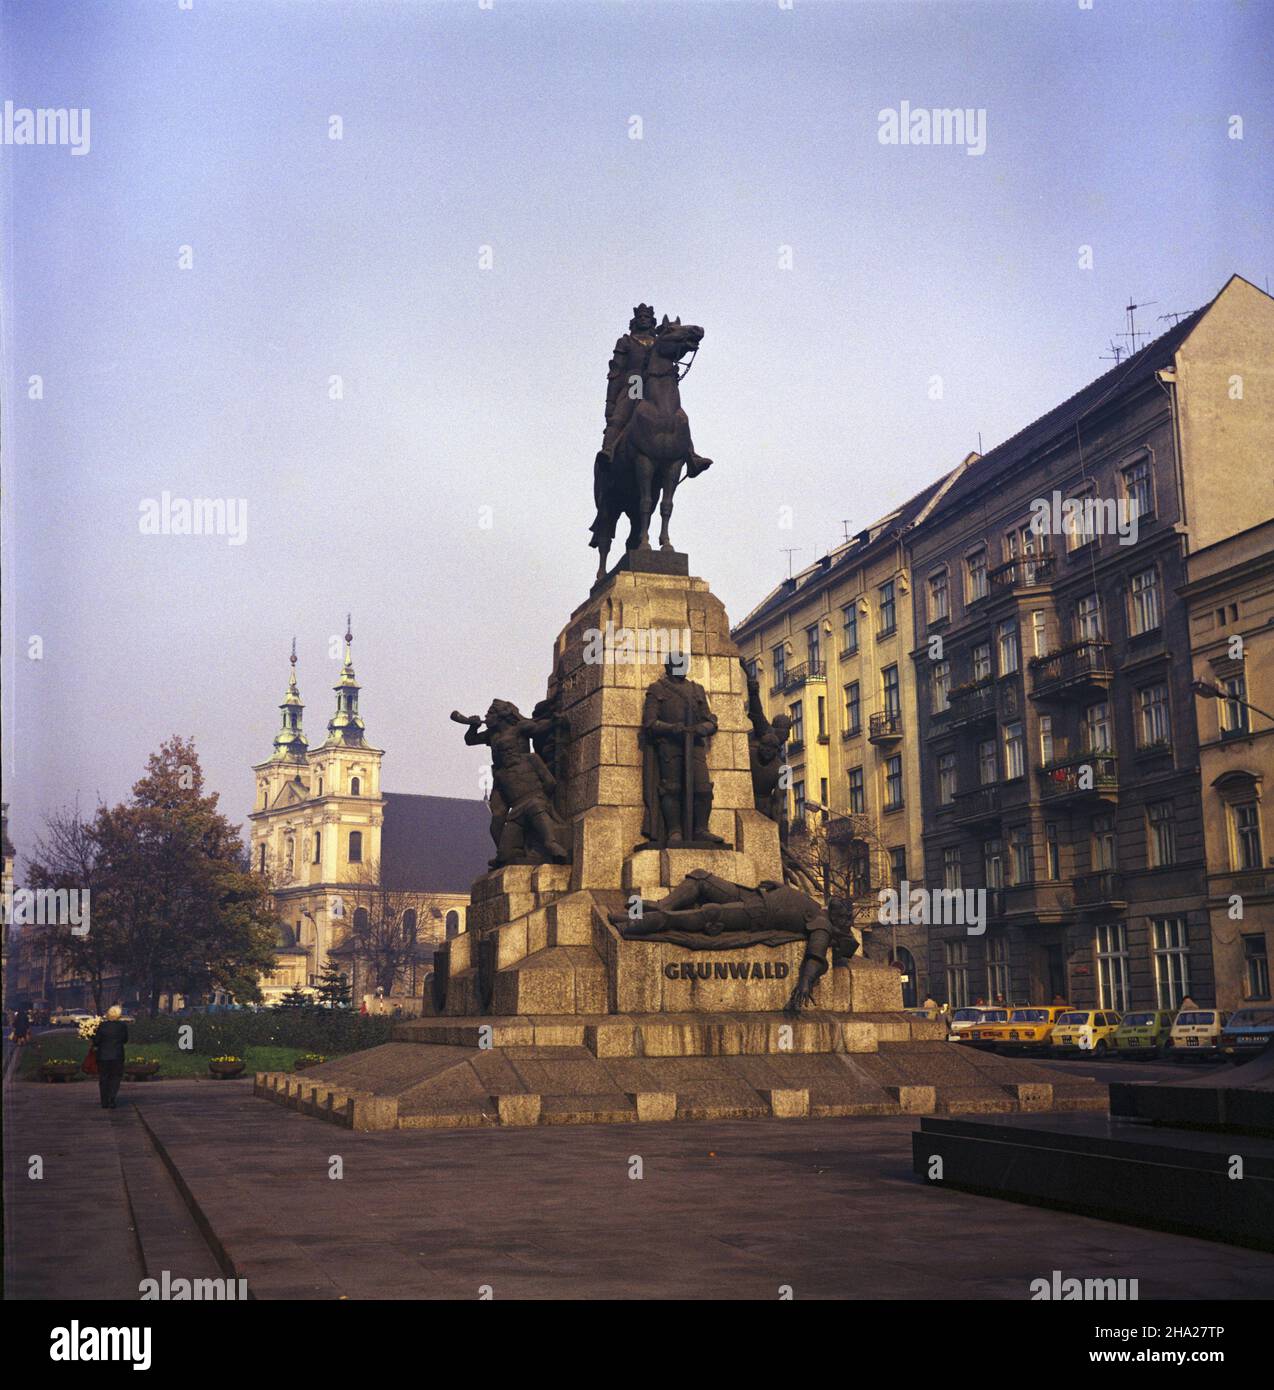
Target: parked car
{"x": 1084, "y": 1030}
{"x": 1146, "y": 1030}
{"x": 1030, "y": 1028}
{"x": 1196, "y": 1032}
{"x": 63, "y": 1018}
{"x": 1248, "y": 1032}
{"x": 965, "y": 1021}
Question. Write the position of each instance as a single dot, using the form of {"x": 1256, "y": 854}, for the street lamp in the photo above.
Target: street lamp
{"x": 1208, "y": 691}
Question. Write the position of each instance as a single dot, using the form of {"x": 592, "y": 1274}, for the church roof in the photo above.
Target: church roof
{"x": 434, "y": 844}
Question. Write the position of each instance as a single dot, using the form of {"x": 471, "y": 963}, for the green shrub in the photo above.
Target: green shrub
{"x": 332, "y": 1032}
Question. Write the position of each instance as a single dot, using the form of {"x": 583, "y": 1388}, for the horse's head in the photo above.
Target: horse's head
{"x": 674, "y": 339}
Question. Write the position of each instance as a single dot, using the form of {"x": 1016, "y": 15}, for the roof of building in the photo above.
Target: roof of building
{"x": 1123, "y": 377}
{"x": 845, "y": 555}
{"x": 433, "y": 844}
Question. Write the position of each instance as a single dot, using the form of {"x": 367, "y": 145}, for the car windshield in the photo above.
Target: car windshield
{"x": 1203, "y": 1016}
{"x": 1138, "y": 1020}
{"x": 995, "y": 1015}
{"x": 1072, "y": 1017}
{"x": 966, "y": 1015}
{"x": 1252, "y": 1018}
{"x": 1029, "y": 1016}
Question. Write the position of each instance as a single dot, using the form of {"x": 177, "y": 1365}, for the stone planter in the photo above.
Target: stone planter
{"x": 141, "y": 1071}
{"x": 59, "y": 1071}
{"x": 225, "y": 1071}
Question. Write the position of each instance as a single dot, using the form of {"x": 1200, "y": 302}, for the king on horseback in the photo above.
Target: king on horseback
{"x": 647, "y": 436}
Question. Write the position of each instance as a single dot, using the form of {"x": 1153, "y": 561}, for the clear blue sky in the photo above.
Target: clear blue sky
{"x": 467, "y": 388}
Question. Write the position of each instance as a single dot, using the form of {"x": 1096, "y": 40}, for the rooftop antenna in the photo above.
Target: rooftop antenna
{"x": 1176, "y": 315}
{"x": 845, "y": 524}
{"x": 789, "y": 552}
{"x": 979, "y": 443}
{"x": 1115, "y": 353}
{"x": 1133, "y": 332}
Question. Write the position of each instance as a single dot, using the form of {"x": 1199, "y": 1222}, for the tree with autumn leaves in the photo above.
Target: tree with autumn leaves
{"x": 175, "y": 908}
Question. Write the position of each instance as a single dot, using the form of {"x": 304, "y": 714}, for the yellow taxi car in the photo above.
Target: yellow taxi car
{"x": 1027, "y": 1026}
{"x": 1196, "y": 1033}
{"x": 1144, "y": 1030}
{"x": 1084, "y": 1030}
{"x": 966, "y": 1021}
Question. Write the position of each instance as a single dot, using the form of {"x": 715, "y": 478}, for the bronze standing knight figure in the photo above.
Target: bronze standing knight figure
{"x": 676, "y": 726}
{"x": 647, "y": 440}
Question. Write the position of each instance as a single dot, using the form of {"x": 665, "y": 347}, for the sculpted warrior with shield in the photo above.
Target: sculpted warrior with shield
{"x": 676, "y": 727}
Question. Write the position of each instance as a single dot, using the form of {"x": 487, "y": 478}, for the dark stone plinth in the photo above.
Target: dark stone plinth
{"x": 674, "y": 562}
{"x": 1119, "y": 1170}
{"x": 1223, "y": 1107}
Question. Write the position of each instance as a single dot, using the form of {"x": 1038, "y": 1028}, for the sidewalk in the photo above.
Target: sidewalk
{"x": 722, "y": 1210}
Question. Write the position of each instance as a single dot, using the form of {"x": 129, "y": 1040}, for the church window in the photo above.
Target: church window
{"x": 355, "y": 846}
{"x": 409, "y": 925}
{"x": 318, "y": 846}
{"x": 453, "y": 924}
{"x": 353, "y": 786}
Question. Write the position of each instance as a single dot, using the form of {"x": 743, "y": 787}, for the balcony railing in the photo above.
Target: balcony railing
{"x": 971, "y": 704}
{"x": 983, "y": 803}
{"x": 1022, "y": 573}
{"x": 796, "y": 676}
{"x": 1102, "y": 889}
{"x": 1092, "y": 776}
{"x": 1080, "y": 667}
{"x": 885, "y": 728}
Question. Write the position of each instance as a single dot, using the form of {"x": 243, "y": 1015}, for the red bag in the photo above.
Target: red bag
{"x": 90, "y": 1062}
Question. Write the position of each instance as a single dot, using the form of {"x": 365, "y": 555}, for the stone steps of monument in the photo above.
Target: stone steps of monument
{"x": 404, "y": 1085}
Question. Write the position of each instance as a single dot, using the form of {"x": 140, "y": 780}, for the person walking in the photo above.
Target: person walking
{"x": 108, "y": 1043}
{"x": 21, "y": 1027}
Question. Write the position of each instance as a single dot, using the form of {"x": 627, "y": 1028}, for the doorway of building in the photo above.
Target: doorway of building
{"x": 904, "y": 962}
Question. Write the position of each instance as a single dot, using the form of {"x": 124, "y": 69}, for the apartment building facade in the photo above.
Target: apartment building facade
{"x": 1055, "y": 718}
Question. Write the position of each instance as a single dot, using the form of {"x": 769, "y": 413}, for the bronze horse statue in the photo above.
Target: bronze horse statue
{"x": 652, "y": 449}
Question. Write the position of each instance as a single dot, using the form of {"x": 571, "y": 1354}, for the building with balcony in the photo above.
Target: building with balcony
{"x": 1061, "y": 756}
{"x": 1229, "y": 598}
{"x": 829, "y": 647}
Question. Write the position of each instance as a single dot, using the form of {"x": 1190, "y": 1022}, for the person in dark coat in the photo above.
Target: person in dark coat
{"x": 21, "y": 1026}
{"x": 108, "y": 1043}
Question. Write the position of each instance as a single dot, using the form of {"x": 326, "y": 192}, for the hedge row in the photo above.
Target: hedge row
{"x": 330, "y": 1032}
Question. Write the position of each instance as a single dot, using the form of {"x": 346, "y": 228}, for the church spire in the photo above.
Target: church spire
{"x": 290, "y": 743}
{"x": 345, "y": 726}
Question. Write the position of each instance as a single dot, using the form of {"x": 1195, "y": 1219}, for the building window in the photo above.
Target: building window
{"x": 887, "y": 611}
{"x": 1006, "y": 635}
{"x": 939, "y": 599}
{"x": 261, "y": 858}
{"x": 751, "y": 665}
{"x": 355, "y": 846}
{"x": 1039, "y": 632}
{"x": 1088, "y": 626}
{"x": 1052, "y": 852}
{"x": 1137, "y": 487}
{"x": 822, "y": 797}
{"x": 982, "y": 662}
{"x": 1161, "y": 834}
{"x": 822, "y": 716}
{"x": 859, "y": 870}
{"x": 1097, "y": 732}
{"x": 318, "y": 846}
{"x": 452, "y": 924}
{"x": 813, "y": 649}
{"x": 946, "y": 778}
{"x": 853, "y": 708}
{"x": 1046, "y": 739}
{"x": 1245, "y": 820}
{"x": 957, "y": 958}
{"x": 1021, "y": 857}
{"x": 1144, "y": 594}
{"x": 1234, "y": 707}
{"x": 1014, "y": 752}
{"x": 1078, "y": 520}
{"x": 898, "y": 865}
{"x": 1256, "y": 968}
{"x": 1102, "y": 844}
{"x": 893, "y": 697}
{"x": 1172, "y": 961}
{"x": 1113, "y": 987}
{"x": 850, "y": 612}
{"x": 409, "y": 925}
{"x": 320, "y": 790}
{"x": 893, "y": 782}
{"x": 988, "y": 769}
{"x": 941, "y": 686}
{"x": 1152, "y": 715}
{"x": 353, "y": 786}
{"x": 997, "y": 969}
{"x": 798, "y": 802}
{"x": 951, "y": 867}
{"x": 975, "y": 575}
{"x": 796, "y": 713}
{"x": 993, "y": 863}
{"x": 857, "y": 791}
{"x": 778, "y": 659}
